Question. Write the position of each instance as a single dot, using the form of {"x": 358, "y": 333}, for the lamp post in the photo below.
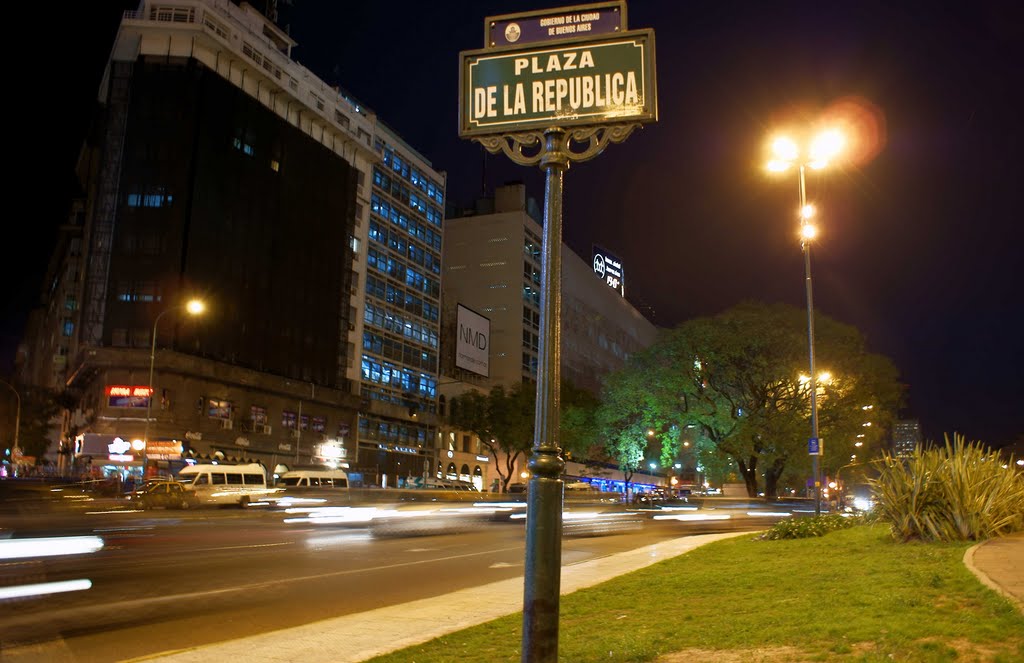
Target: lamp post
{"x": 786, "y": 153}
{"x": 17, "y": 416}
{"x": 192, "y": 307}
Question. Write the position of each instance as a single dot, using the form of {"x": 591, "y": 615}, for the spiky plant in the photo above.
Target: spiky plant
{"x": 953, "y": 493}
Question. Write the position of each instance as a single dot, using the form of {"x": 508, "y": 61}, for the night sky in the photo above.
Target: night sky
{"x": 921, "y": 244}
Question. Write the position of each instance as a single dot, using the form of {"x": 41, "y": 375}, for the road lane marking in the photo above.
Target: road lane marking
{"x": 53, "y": 616}
{"x": 251, "y": 545}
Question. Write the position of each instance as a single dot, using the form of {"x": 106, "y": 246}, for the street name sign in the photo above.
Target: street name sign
{"x": 601, "y": 81}
{"x": 561, "y": 23}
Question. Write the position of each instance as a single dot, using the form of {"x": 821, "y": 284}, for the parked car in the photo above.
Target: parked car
{"x": 166, "y": 494}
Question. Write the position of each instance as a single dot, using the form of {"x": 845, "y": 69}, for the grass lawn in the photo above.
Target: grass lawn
{"x": 852, "y": 595}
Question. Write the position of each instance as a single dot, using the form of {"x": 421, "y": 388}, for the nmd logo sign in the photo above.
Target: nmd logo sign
{"x": 473, "y": 339}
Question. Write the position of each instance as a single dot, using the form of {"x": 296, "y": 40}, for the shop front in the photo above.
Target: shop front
{"x": 124, "y": 459}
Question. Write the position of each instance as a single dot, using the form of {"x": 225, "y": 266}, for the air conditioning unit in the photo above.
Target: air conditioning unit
{"x": 227, "y": 424}
{"x": 351, "y": 326}
{"x": 266, "y": 429}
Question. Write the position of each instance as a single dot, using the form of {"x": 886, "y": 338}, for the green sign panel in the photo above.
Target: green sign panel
{"x": 603, "y": 81}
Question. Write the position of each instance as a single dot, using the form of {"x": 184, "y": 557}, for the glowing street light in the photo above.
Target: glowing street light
{"x": 785, "y": 152}
{"x": 192, "y": 307}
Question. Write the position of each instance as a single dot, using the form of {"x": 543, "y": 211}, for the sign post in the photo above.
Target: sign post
{"x": 563, "y": 98}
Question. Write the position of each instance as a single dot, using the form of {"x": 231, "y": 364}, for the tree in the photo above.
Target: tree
{"x": 737, "y": 378}
{"x": 629, "y": 410}
{"x": 38, "y": 408}
{"x": 503, "y": 419}
{"x": 578, "y": 426}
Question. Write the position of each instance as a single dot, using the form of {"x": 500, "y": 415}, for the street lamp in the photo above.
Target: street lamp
{"x": 192, "y": 307}
{"x": 17, "y": 417}
{"x": 785, "y": 154}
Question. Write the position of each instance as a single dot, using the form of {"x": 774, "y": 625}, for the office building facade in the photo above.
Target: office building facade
{"x": 221, "y": 169}
{"x": 906, "y": 436}
{"x": 492, "y": 266}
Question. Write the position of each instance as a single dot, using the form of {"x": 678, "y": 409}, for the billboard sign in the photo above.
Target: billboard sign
{"x": 609, "y": 268}
{"x": 586, "y": 21}
{"x": 601, "y": 81}
{"x": 472, "y": 340}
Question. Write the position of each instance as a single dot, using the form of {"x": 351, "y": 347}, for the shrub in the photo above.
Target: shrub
{"x": 958, "y": 492}
{"x": 802, "y": 528}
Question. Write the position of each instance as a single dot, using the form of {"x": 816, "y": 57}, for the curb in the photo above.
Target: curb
{"x": 986, "y": 579}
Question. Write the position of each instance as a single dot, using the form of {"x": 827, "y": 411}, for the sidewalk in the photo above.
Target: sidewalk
{"x": 999, "y": 564}
{"x": 358, "y": 637}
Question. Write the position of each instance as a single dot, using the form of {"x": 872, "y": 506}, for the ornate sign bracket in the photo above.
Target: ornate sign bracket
{"x": 529, "y": 148}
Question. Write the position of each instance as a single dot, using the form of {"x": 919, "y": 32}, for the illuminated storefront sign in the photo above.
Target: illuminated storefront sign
{"x": 330, "y": 451}
{"x": 128, "y": 396}
{"x": 121, "y": 450}
{"x": 609, "y": 268}
{"x": 164, "y": 449}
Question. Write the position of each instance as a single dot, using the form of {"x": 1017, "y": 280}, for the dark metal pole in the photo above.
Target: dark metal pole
{"x": 542, "y": 582}
{"x": 810, "y": 345}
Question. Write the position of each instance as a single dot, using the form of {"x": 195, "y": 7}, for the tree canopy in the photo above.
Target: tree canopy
{"x": 503, "y": 419}
{"x": 38, "y": 408}
{"x": 740, "y": 379}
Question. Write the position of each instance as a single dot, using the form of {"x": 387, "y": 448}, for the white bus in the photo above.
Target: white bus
{"x": 325, "y": 479}
{"x": 226, "y": 484}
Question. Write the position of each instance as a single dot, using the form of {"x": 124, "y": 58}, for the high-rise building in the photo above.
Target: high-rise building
{"x": 219, "y": 168}
{"x": 492, "y": 259}
{"x": 906, "y": 436}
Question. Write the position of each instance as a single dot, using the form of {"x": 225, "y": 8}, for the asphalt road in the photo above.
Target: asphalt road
{"x": 166, "y": 580}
